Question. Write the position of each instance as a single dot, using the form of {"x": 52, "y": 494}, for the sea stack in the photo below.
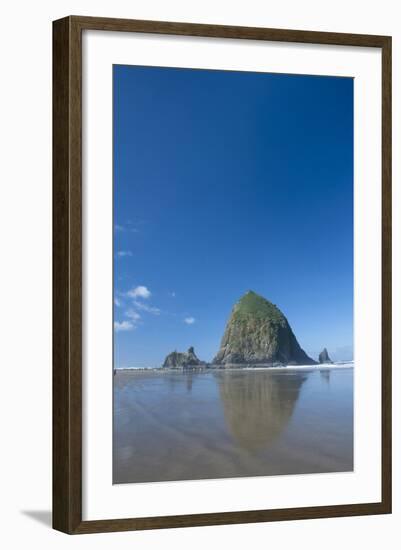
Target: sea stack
{"x": 176, "y": 359}
{"x": 324, "y": 357}
{"x": 257, "y": 333}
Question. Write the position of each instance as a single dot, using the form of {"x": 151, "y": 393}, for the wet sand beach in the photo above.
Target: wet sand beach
{"x": 234, "y": 423}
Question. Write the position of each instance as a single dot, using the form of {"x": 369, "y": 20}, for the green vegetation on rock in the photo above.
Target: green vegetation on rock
{"x": 258, "y": 333}
{"x": 251, "y": 304}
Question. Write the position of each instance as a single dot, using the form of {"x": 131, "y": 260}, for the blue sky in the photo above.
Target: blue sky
{"x": 225, "y": 182}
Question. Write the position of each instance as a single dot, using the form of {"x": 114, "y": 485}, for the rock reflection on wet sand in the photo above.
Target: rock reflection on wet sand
{"x": 258, "y": 408}
{"x": 205, "y": 425}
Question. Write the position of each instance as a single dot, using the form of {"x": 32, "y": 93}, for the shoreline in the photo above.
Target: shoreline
{"x": 203, "y": 368}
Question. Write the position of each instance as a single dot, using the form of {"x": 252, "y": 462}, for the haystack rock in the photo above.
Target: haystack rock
{"x": 324, "y": 357}
{"x": 178, "y": 359}
{"x": 257, "y": 333}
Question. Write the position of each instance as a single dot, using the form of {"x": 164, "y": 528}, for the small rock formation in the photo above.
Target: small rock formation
{"x": 177, "y": 359}
{"x": 257, "y": 332}
{"x": 324, "y": 357}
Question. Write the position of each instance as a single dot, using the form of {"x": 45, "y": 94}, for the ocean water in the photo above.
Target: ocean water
{"x": 234, "y": 423}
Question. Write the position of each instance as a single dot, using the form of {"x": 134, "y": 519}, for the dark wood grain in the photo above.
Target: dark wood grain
{"x": 253, "y": 516}
{"x": 386, "y": 277}
{"x": 67, "y": 277}
{"x": 225, "y": 31}
{"x": 67, "y": 274}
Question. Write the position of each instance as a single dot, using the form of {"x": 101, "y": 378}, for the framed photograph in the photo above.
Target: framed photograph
{"x": 222, "y": 275}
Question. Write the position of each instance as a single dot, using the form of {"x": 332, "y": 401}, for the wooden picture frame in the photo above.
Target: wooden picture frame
{"x": 67, "y": 274}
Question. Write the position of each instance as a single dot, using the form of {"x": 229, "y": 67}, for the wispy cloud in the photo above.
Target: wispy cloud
{"x": 173, "y": 294}
{"x": 123, "y": 326}
{"x": 132, "y": 226}
{"x": 117, "y": 302}
{"x": 133, "y": 315}
{"x": 145, "y": 307}
{"x": 129, "y": 226}
{"x": 189, "y": 320}
{"x": 139, "y": 292}
{"x": 124, "y": 253}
